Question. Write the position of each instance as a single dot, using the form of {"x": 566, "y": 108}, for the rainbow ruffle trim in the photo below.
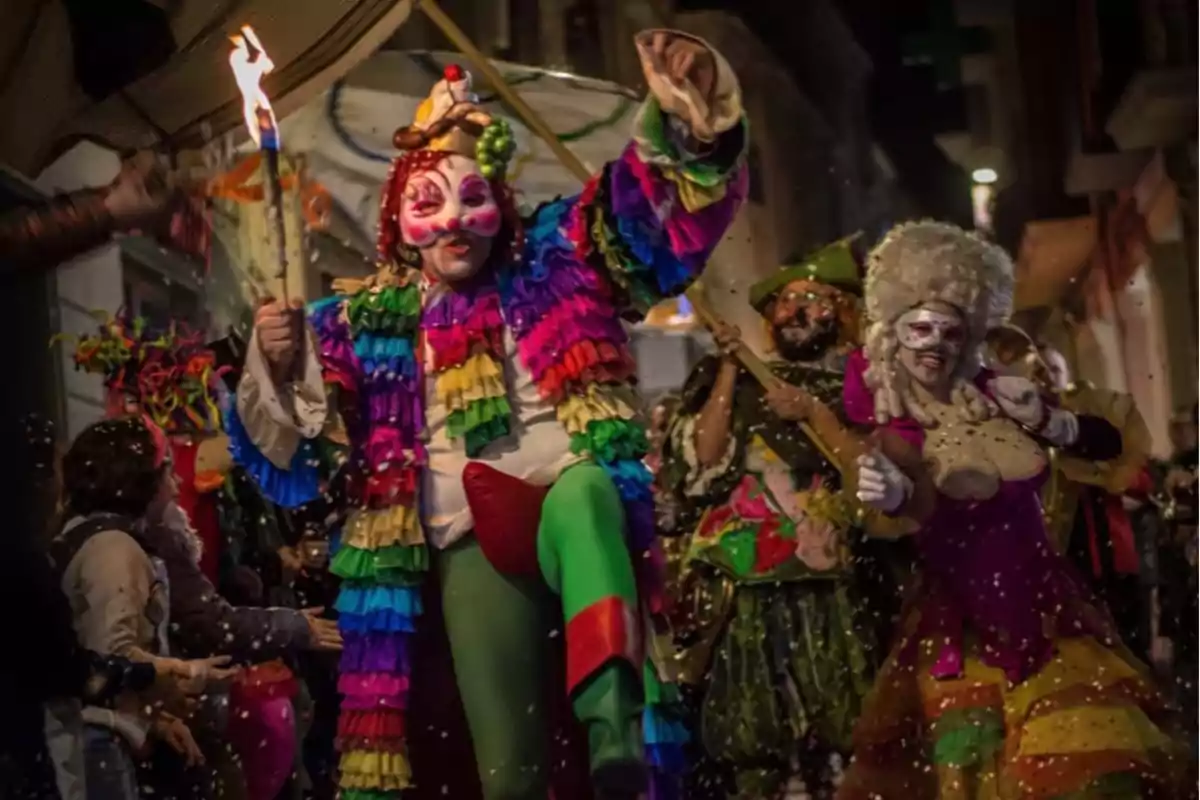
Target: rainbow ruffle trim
{"x": 665, "y": 736}
{"x": 465, "y": 334}
{"x": 300, "y": 483}
{"x": 383, "y": 556}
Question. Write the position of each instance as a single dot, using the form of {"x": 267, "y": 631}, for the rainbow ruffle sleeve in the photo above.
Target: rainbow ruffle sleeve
{"x": 651, "y": 219}
{"x": 369, "y": 350}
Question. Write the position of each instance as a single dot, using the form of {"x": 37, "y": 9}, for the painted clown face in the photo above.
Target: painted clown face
{"x": 449, "y": 213}
{"x": 931, "y": 337}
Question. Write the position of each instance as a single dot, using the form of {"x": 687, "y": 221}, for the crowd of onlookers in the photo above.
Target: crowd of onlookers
{"x": 130, "y": 673}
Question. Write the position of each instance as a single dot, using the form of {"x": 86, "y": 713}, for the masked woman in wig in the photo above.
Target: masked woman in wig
{"x": 1005, "y": 679}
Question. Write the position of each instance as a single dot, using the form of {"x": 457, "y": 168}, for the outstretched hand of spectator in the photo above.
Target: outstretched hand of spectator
{"x": 194, "y": 676}
{"x": 323, "y": 633}
{"x": 172, "y": 731}
{"x": 142, "y": 194}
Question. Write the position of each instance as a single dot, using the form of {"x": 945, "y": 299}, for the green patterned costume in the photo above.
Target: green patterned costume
{"x": 775, "y": 636}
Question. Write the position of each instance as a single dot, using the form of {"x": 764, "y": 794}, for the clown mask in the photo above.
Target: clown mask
{"x": 931, "y": 341}
{"x": 450, "y": 215}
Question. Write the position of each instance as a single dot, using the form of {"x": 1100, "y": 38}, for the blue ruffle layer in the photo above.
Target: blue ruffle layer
{"x": 387, "y": 354}
{"x": 659, "y": 729}
{"x": 381, "y": 621}
{"x": 665, "y": 737}
{"x": 364, "y": 600}
{"x": 292, "y": 487}
{"x": 631, "y": 478}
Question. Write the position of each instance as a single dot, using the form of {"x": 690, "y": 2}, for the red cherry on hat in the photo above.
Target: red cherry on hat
{"x": 453, "y": 73}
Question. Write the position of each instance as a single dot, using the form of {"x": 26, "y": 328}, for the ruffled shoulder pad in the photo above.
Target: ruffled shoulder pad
{"x": 350, "y": 286}
{"x": 857, "y": 400}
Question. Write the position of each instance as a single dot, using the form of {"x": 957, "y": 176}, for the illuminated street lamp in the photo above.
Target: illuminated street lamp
{"x": 985, "y": 175}
{"x": 982, "y": 194}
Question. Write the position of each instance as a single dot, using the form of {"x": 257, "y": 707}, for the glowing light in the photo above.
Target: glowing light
{"x": 981, "y": 205}
{"x": 250, "y": 64}
{"x": 985, "y": 176}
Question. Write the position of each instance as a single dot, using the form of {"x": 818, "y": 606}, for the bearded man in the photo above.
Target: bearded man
{"x": 775, "y": 634}
{"x": 483, "y": 383}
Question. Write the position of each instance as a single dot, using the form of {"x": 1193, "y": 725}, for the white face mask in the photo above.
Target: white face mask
{"x": 451, "y": 216}
{"x": 452, "y": 197}
{"x": 927, "y": 330}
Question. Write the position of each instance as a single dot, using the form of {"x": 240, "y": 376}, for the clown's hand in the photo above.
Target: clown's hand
{"x": 1020, "y": 399}
{"x": 690, "y": 82}
{"x": 881, "y": 484}
{"x": 280, "y": 331}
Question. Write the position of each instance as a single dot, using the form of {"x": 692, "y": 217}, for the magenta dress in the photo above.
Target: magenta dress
{"x": 998, "y": 624}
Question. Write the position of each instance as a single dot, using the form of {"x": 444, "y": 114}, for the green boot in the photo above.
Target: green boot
{"x": 609, "y": 704}
{"x": 583, "y": 559}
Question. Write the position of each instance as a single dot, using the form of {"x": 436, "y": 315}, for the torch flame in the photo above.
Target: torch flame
{"x": 250, "y": 63}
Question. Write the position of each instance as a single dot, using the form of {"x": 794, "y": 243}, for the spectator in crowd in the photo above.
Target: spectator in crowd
{"x": 54, "y": 673}
{"x": 117, "y": 475}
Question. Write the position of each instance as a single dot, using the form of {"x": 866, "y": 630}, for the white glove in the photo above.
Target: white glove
{"x": 881, "y": 484}
{"x": 1020, "y": 399}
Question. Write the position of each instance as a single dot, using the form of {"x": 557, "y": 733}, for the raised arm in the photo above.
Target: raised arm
{"x": 651, "y": 219}
{"x": 701, "y": 456}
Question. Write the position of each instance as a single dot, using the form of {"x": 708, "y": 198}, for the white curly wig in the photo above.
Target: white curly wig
{"x": 923, "y": 262}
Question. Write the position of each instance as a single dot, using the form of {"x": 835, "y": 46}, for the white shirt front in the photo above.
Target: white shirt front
{"x": 537, "y": 450}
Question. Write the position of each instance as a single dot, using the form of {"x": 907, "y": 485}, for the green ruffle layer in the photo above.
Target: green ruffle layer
{"x": 612, "y": 440}
{"x": 658, "y": 693}
{"x": 966, "y": 737}
{"x": 480, "y": 423}
{"x": 395, "y": 565}
{"x": 368, "y": 794}
{"x": 395, "y": 310}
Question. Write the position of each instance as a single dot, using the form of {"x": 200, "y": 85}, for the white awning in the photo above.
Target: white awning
{"x": 345, "y": 134}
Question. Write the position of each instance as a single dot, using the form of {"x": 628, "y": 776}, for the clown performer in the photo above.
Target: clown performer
{"x": 775, "y": 634}
{"x": 484, "y": 381}
{"x": 1005, "y": 678}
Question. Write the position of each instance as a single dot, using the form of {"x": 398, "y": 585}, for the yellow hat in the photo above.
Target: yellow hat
{"x": 449, "y": 120}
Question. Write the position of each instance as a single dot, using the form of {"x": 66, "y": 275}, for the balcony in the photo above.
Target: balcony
{"x": 1158, "y": 108}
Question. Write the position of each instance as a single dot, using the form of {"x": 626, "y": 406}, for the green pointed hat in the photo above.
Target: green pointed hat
{"x": 833, "y": 264}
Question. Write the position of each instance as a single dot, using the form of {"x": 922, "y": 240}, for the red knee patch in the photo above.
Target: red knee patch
{"x": 605, "y": 630}
{"x": 507, "y": 512}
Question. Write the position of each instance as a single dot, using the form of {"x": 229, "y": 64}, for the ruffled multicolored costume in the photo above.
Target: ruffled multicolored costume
{"x": 396, "y": 352}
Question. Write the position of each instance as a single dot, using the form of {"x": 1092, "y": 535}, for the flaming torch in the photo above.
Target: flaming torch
{"x": 250, "y": 63}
